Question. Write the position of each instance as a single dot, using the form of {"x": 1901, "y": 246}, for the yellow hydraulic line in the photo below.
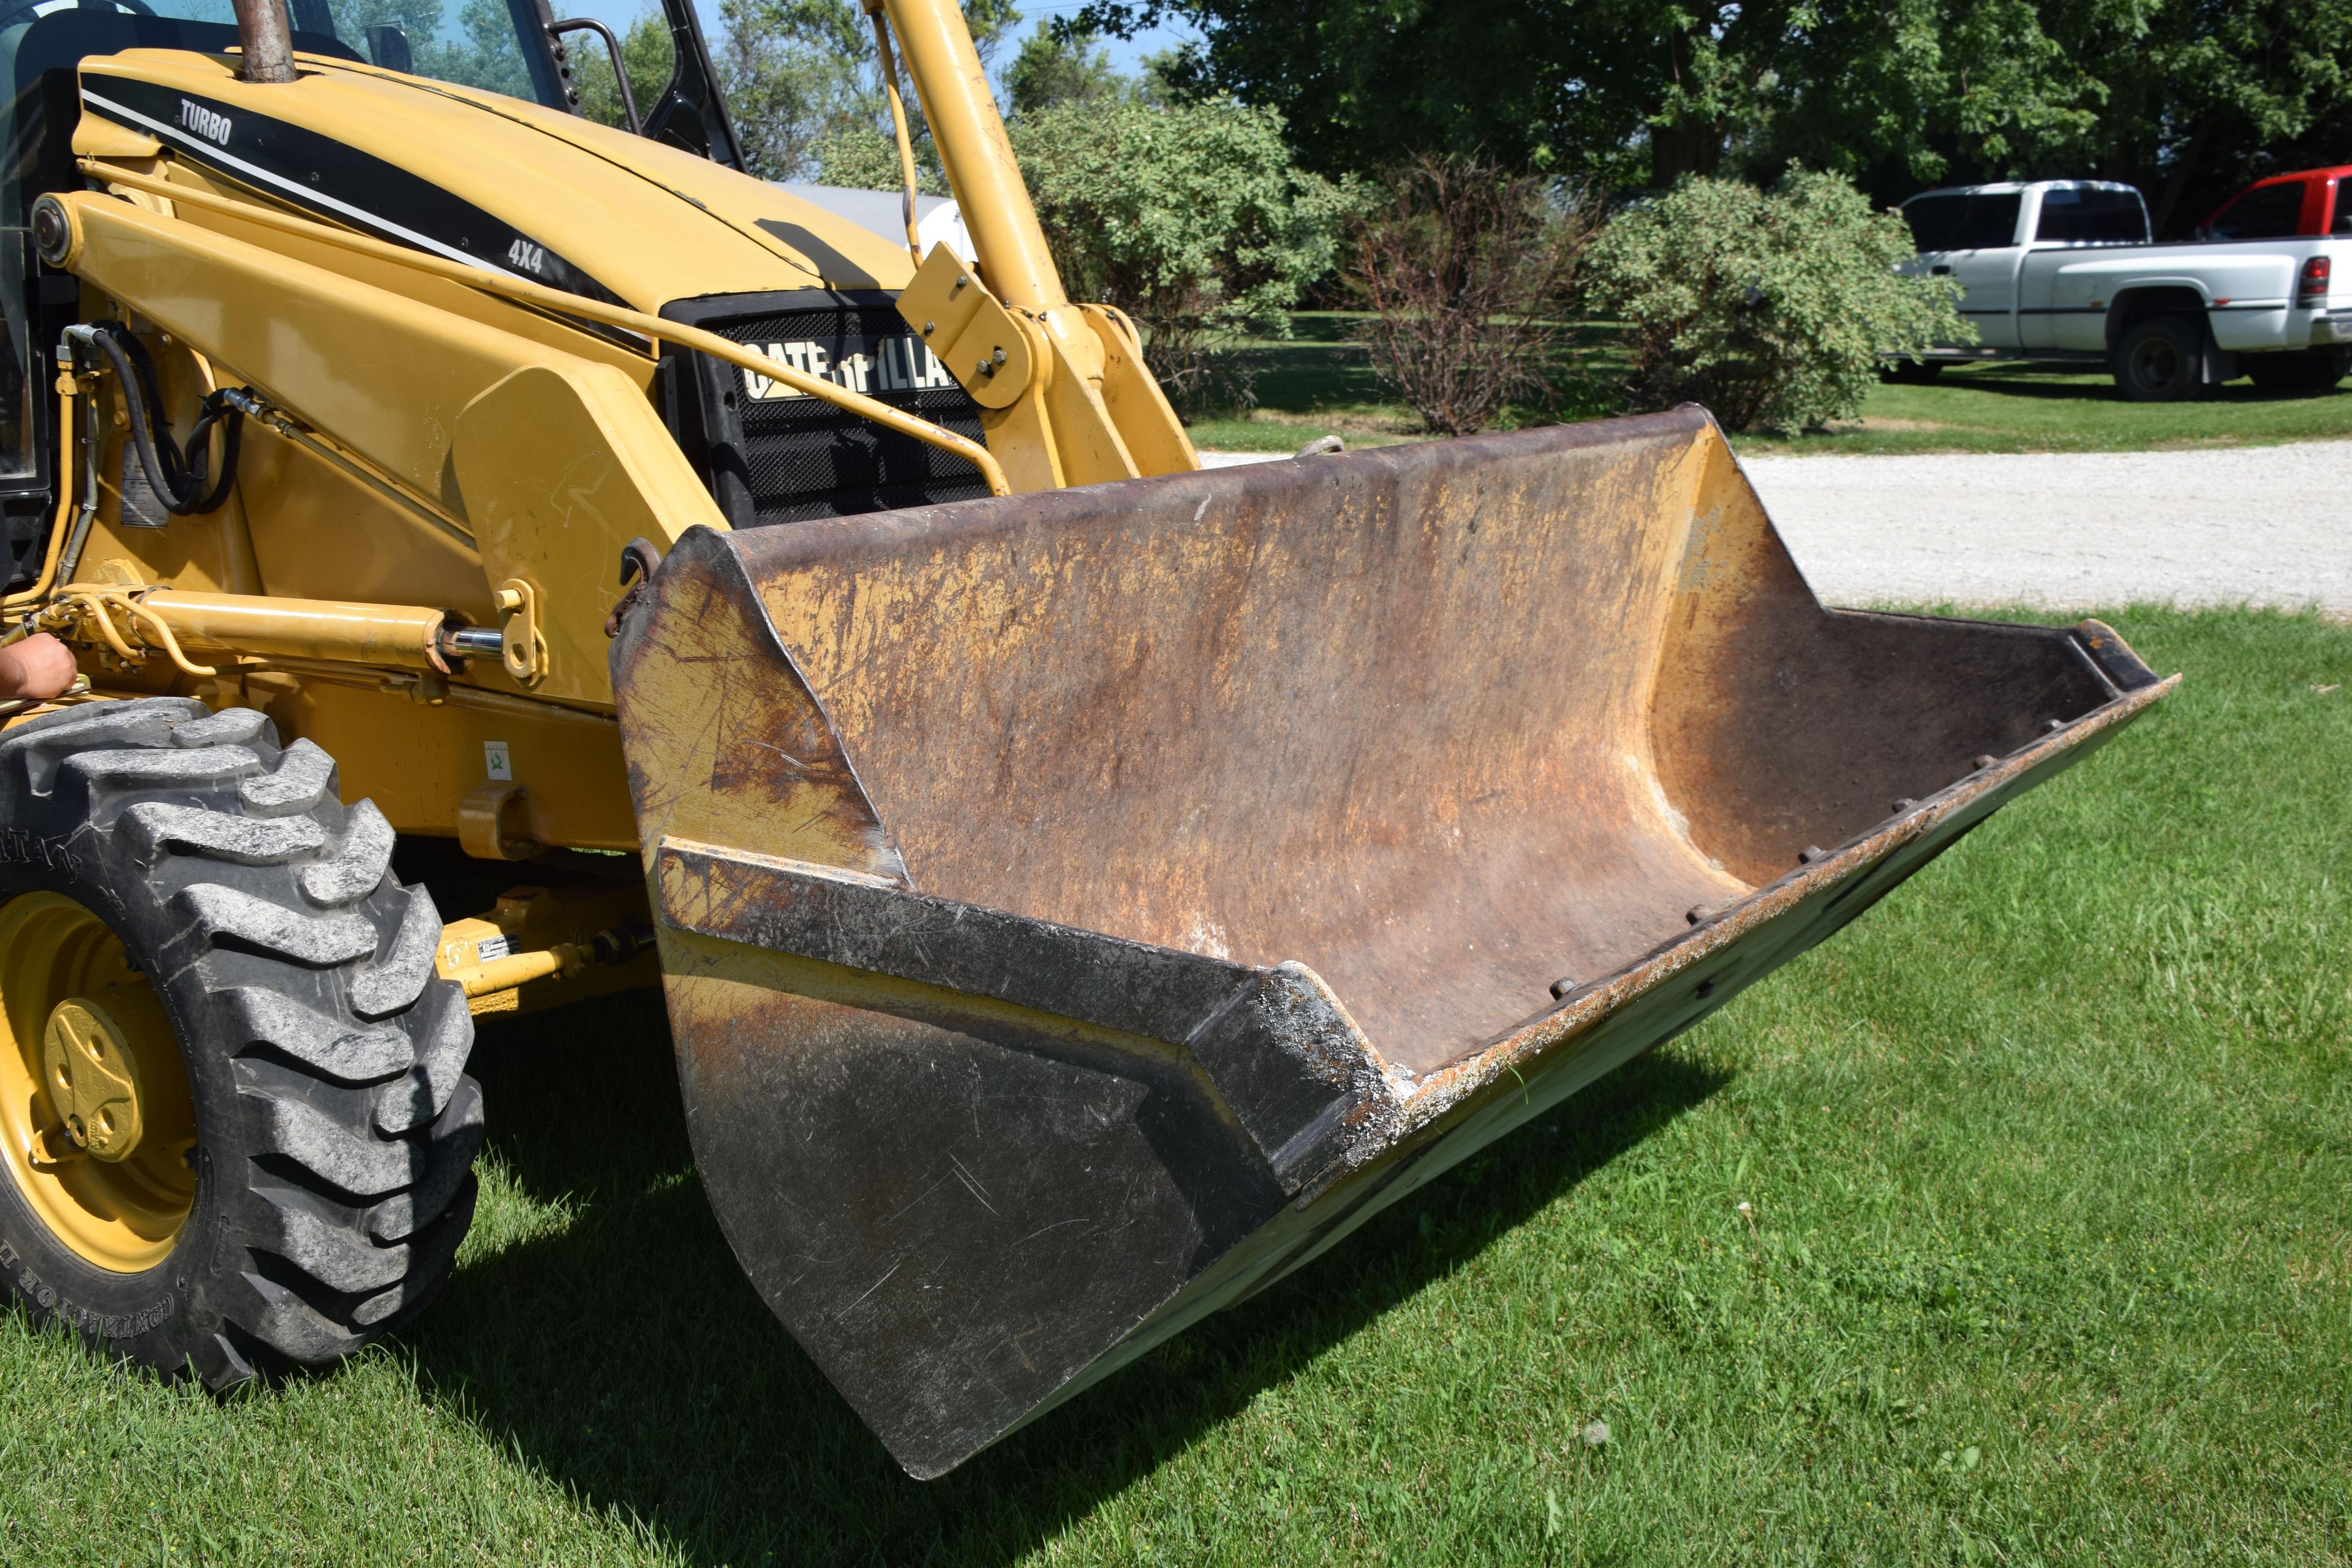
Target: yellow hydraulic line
{"x": 74, "y": 599}
{"x": 93, "y": 601}
{"x": 897, "y": 123}
{"x": 556, "y": 300}
{"x": 95, "y": 609}
{"x": 970, "y": 134}
{"x": 41, "y": 584}
{"x": 162, "y": 627}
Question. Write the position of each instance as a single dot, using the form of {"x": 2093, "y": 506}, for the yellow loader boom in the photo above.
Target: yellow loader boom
{"x": 1084, "y": 888}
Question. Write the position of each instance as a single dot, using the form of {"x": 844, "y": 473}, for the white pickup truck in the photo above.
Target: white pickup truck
{"x": 2064, "y": 269}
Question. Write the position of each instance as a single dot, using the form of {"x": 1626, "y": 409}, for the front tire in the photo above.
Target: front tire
{"x": 2160, "y": 358}
{"x": 237, "y": 1123}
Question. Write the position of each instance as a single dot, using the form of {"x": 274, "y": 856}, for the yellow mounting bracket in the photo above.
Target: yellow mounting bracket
{"x": 974, "y": 335}
{"x": 494, "y": 823}
{"x": 524, "y": 649}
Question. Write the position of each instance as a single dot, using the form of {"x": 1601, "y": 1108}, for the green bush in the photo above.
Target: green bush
{"x": 1774, "y": 309}
{"x": 1195, "y": 220}
{"x": 855, "y": 155}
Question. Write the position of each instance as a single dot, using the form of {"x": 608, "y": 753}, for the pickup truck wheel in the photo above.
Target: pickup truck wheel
{"x": 233, "y": 1102}
{"x": 2315, "y": 370}
{"x": 2157, "y": 360}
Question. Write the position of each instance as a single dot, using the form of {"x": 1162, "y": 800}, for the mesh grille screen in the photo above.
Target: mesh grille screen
{"x": 802, "y": 457}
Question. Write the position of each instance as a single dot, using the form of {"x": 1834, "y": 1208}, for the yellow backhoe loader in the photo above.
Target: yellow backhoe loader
{"x": 1084, "y": 888}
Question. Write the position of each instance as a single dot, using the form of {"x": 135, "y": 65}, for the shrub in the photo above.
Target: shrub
{"x": 853, "y": 155}
{"x": 1466, "y": 268}
{"x": 1193, "y": 219}
{"x": 1772, "y": 308}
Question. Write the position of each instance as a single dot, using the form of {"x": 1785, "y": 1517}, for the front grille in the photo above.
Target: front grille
{"x": 771, "y": 456}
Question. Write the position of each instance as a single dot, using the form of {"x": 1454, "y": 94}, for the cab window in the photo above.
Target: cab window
{"x": 2266, "y": 211}
{"x": 1982, "y": 221}
{"x": 1935, "y": 220}
{"x": 1991, "y": 221}
{"x": 2085, "y": 214}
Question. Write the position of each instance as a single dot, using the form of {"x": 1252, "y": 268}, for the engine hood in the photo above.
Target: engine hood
{"x": 506, "y": 185}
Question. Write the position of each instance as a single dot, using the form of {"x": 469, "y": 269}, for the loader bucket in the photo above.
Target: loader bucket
{"x": 1079, "y": 910}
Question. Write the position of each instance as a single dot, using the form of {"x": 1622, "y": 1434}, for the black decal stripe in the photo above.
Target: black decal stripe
{"x": 766, "y": 242}
{"x": 322, "y": 174}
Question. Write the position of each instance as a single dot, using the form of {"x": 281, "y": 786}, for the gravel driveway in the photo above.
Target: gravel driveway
{"x": 2260, "y": 525}
{"x": 2240, "y": 525}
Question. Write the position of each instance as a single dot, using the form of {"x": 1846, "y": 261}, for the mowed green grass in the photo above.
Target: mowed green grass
{"x": 2048, "y": 1261}
{"x": 2066, "y": 408}
{"x": 1322, "y": 380}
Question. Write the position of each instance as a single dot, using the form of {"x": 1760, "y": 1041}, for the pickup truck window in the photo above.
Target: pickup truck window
{"x": 2266, "y": 211}
{"x": 1962, "y": 222}
{"x": 1935, "y": 221}
{"x": 2093, "y": 217}
{"x": 1991, "y": 222}
{"x": 2343, "y": 223}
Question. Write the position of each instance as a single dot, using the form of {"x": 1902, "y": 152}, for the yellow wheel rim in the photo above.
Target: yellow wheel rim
{"x": 94, "y": 1103}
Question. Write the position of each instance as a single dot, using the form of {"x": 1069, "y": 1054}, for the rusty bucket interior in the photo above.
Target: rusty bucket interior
{"x": 1169, "y": 862}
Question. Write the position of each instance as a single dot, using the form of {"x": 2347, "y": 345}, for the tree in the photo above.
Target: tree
{"x": 2202, "y": 96}
{"x": 1058, "y": 65}
{"x": 1900, "y": 94}
{"x": 1366, "y": 85}
{"x": 791, "y": 71}
{"x": 482, "y": 54}
{"x": 802, "y": 79}
{"x": 1195, "y": 220}
{"x": 1632, "y": 93}
{"x": 648, "y": 54}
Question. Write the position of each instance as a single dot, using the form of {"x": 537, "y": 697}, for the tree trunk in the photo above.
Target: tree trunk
{"x": 2178, "y": 184}
{"x": 1689, "y": 145}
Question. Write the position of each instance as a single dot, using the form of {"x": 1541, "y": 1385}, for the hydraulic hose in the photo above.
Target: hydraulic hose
{"x": 178, "y": 477}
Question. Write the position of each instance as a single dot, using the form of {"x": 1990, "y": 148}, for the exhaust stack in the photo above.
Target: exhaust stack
{"x": 263, "y": 35}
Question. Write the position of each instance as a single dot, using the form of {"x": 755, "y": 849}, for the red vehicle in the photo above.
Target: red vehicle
{"x": 2312, "y": 203}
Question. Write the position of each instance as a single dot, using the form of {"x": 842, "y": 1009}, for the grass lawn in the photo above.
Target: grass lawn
{"x": 2049, "y": 1261}
{"x": 1321, "y": 380}
{"x": 2063, "y": 408}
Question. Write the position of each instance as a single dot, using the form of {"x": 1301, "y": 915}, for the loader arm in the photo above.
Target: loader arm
{"x": 1071, "y": 403}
